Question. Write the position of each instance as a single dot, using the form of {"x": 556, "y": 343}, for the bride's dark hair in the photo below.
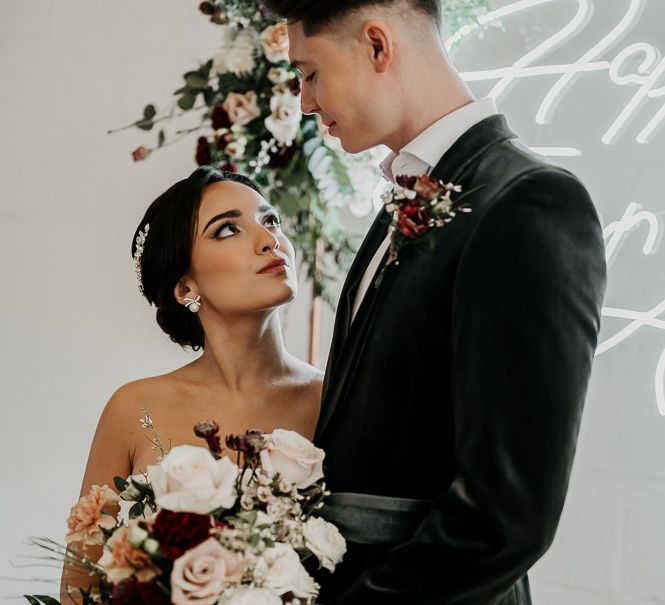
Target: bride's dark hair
{"x": 167, "y": 251}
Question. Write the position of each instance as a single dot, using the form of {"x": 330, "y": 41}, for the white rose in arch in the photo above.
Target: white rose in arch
{"x": 189, "y": 479}
{"x": 297, "y": 460}
{"x": 285, "y": 573}
{"x": 284, "y": 121}
{"x": 247, "y": 595}
{"x": 237, "y": 54}
{"x": 325, "y": 541}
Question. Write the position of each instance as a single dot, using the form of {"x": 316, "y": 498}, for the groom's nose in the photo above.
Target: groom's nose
{"x": 308, "y": 102}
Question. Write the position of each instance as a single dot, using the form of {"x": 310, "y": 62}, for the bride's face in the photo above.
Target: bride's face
{"x": 241, "y": 260}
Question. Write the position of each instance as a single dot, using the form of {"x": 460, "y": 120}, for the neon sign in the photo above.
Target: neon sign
{"x": 647, "y": 76}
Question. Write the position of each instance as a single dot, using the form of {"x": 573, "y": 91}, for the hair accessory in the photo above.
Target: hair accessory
{"x": 193, "y": 304}
{"x": 138, "y": 253}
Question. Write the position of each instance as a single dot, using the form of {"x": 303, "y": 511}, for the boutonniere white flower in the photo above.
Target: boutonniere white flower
{"x": 418, "y": 204}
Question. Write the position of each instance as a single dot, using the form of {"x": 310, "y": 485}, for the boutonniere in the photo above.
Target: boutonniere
{"x": 417, "y": 205}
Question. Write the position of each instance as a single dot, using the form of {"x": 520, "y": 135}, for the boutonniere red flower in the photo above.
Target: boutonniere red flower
{"x": 417, "y": 205}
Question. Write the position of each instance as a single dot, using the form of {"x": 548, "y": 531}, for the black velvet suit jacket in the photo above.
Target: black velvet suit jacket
{"x": 462, "y": 380}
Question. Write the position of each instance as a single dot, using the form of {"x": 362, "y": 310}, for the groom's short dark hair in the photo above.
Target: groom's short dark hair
{"x": 315, "y": 15}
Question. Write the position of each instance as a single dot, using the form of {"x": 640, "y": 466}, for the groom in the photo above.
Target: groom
{"x": 454, "y": 389}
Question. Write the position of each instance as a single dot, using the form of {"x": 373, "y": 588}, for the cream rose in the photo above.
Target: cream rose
{"x": 279, "y": 75}
{"x": 295, "y": 458}
{"x": 285, "y": 573}
{"x": 201, "y": 574}
{"x": 284, "y": 121}
{"x": 325, "y": 541}
{"x": 237, "y": 54}
{"x": 275, "y": 42}
{"x": 88, "y": 517}
{"x": 121, "y": 559}
{"x": 189, "y": 479}
{"x": 242, "y": 109}
{"x": 247, "y": 595}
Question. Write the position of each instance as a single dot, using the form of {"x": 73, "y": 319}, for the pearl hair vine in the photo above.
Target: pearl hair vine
{"x": 138, "y": 253}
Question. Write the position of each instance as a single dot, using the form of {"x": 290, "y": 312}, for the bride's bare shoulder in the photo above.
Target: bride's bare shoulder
{"x": 127, "y": 404}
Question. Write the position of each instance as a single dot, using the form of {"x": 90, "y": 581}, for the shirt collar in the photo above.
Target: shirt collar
{"x": 422, "y": 153}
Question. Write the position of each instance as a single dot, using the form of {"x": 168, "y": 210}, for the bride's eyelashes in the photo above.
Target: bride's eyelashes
{"x": 229, "y": 228}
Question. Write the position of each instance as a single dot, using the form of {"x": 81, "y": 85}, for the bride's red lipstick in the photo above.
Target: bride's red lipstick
{"x": 275, "y": 266}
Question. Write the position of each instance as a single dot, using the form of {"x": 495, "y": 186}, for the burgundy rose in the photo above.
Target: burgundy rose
{"x": 179, "y": 532}
{"x": 203, "y": 155}
{"x": 133, "y": 592}
{"x": 282, "y": 157}
{"x": 228, "y": 167}
{"x": 295, "y": 86}
{"x": 220, "y": 118}
{"x": 427, "y": 187}
{"x": 140, "y": 153}
{"x": 407, "y": 182}
{"x": 413, "y": 220}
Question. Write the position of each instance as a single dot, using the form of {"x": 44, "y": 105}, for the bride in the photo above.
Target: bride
{"x": 211, "y": 256}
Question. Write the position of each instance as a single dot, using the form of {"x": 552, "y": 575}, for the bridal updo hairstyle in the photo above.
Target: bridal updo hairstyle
{"x": 167, "y": 251}
{"x": 316, "y": 15}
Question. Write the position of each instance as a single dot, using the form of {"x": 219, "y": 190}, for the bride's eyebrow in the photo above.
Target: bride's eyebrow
{"x": 219, "y": 217}
{"x": 236, "y": 214}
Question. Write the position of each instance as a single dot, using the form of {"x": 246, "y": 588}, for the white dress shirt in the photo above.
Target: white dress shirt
{"x": 419, "y": 157}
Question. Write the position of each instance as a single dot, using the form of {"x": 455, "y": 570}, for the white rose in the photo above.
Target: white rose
{"x": 237, "y": 54}
{"x": 279, "y": 75}
{"x": 236, "y": 149}
{"x": 295, "y": 458}
{"x": 284, "y": 121}
{"x": 275, "y": 42}
{"x": 325, "y": 541}
{"x": 246, "y": 595}
{"x": 285, "y": 573}
{"x": 189, "y": 479}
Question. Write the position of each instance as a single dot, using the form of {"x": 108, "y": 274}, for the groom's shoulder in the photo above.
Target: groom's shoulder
{"x": 511, "y": 162}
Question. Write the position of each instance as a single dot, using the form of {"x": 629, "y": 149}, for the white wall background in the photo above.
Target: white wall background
{"x": 74, "y": 326}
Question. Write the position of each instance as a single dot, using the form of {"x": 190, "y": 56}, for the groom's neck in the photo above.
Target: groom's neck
{"x": 429, "y": 91}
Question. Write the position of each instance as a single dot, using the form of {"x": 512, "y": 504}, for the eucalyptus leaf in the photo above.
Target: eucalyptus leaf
{"x": 136, "y": 510}
{"x": 31, "y": 599}
{"x": 144, "y": 124}
{"x": 161, "y": 137}
{"x": 187, "y": 101}
{"x": 149, "y": 112}
{"x": 196, "y": 80}
{"x": 120, "y": 483}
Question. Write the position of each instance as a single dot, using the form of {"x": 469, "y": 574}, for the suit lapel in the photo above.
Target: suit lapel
{"x": 373, "y": 239}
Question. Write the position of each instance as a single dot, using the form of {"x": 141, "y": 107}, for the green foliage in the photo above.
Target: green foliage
{"x": 306, "y": 179}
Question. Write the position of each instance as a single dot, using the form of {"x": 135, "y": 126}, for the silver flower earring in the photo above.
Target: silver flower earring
{"x": 193, "y": 304}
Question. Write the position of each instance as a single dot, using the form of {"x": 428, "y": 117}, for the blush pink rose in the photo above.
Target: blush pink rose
{"x": 88, "y": 517}
{"x": 275, "y": 43}
{"x": 200, "y": 576}
{"x": 241, "y": 109}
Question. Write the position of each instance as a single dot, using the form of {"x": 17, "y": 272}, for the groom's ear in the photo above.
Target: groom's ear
{"x": 378, "y": 38}
{"x": 185, "y": 288}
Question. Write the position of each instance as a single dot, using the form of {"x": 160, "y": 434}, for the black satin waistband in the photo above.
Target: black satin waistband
{"x": 369, "y": 519}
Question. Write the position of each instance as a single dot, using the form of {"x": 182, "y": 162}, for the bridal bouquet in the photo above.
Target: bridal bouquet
{"x": 204, "y": 529}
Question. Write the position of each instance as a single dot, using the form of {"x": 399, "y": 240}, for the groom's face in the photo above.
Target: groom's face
{"x": 339, "y": 84}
